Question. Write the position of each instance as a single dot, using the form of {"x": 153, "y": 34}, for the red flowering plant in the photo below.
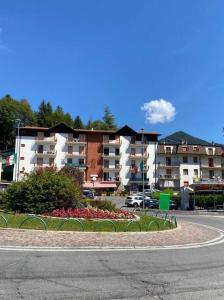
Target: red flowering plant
{"x": 90, "y": 213}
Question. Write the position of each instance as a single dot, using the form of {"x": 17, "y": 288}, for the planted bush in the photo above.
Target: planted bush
{"x": 101, "y": 204}
{"x": 42, "y": 191}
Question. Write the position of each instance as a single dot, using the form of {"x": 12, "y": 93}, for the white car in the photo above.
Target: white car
{"x": 135, "y": 200}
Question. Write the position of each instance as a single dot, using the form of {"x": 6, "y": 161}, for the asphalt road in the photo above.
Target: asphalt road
{"x": 162, "y": 274}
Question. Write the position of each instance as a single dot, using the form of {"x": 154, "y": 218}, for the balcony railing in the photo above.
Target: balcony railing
{"x": 76, "y": 165}
{"x": 111, "y": 155}
{"x": 172, "y": 164}
{"x": 111, "y": 168}
{"x": 111, "y": 142}
{"x": 75, "y": 141}
{"x": 170, "y": 177}
{"x": 72, "y": 154}
{"x": 212, "y": 166}
{"x": 45, "y": 153}
{"x": 50, "y": 139}
{"x": 138, "y": 155}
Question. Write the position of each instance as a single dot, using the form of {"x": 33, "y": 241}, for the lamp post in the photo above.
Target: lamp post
{"x": 18, "y": 121}
{"x": 143, "y": 179}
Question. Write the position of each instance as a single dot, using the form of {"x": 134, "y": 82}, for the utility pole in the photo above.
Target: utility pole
{"x": 143, "y": 179}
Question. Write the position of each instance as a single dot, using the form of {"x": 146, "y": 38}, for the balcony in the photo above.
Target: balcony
{"x": 136, "y": 156}
{"x": 43, "y": 140}
{"x": 45, "y": 153}
{"x": 107, "y": 142}
{"x": 211, "y": 166}
{"x": 76, "y": 165}
{"x": 169, "y": 165}
{"x": 169, "y": 177}
{"x": 75, "y": 141}
{"x": 110, "y": 168}
{"x": 138, "y": 180}
{"x": 75, "y": 154}
{"x": 111, "y": 155}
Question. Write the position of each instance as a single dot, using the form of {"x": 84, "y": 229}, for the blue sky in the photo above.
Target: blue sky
{"x": 84, "y": 55}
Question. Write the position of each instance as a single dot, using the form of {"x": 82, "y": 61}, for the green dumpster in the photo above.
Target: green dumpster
{"x": 164, "y": 201}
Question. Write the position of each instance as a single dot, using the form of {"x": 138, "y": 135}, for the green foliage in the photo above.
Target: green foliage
{"x": 78, "y": 124}
{"x": 74, "y": 174}
{"x": 208, "y": 201}
{"x": 58, "y": 116}
{"x": 43, "y": 115}
{"x": 101, "y": 204}
{"x": 96, "y": 125}
{"x": 108, "y": 119}
{"x": 10, "y": 110}
{"x": 41, "y": 191}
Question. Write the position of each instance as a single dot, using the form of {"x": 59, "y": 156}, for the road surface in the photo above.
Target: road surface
{"x": 162, "y": 274}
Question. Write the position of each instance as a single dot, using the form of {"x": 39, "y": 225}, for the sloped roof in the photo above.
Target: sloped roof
{"x": 181, "y": 137}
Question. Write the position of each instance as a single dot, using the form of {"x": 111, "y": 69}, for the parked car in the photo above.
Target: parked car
{"x": 151, "y": 203}
{"x": 135, "y": 200}
{"x": 173, "y": 205}
{"x": 88, "y": 194}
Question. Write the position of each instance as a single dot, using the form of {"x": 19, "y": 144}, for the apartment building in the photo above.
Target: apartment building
{"x": 109, "y": 159}
{"x": 184, "y": 160}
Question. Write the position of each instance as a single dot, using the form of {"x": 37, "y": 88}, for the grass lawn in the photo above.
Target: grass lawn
{"x": 15, "y": 221}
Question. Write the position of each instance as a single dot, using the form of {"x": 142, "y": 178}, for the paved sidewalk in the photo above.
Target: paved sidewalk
{"x": 186, "y": 233}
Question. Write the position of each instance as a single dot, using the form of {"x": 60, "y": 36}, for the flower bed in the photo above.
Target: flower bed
{"x": 91, "y": 213}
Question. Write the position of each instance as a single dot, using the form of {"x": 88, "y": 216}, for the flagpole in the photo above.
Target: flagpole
{"x": 143, "y": 179}
{"x": 18, "y": 150}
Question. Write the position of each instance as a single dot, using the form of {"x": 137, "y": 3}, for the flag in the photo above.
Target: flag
{"x": 9, "y": 161}
{"x": 135, "y": 169}
{"x": 141, "y": 166}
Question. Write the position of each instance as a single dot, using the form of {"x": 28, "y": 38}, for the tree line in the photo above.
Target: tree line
{"x": 12, "y": 110}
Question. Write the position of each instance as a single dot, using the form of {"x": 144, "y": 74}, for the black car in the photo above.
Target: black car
{"x": 88, "y": 194}
{"x": 150, "y": 203}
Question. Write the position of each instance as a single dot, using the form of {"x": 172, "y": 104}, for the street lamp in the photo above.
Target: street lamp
{"x": 143, "y": 179}
{"x": 18, "y": 122}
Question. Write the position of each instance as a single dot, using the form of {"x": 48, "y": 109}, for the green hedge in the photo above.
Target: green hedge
{"x": 101, "y": 204}
{"x": 41, "y": 191}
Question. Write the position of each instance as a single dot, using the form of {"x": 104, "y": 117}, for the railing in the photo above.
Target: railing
{"x": 111, "y": 155}
{"x": 76, "y": 165}
{"x": 51, "y": 139}
{"x": 70, "y": 154}
{"x": 167, "y": 176}
{"x": 46, "y": 153}
{"x": 75, "y": 141}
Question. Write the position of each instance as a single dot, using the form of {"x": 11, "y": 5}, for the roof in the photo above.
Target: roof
{"x": 181, "y": 137}
{"x": 62, "y": 126}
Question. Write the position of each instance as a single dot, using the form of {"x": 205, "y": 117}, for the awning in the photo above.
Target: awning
{"x": 99, "y": 185}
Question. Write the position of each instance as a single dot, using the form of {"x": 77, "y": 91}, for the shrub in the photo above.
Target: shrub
{"x": 101, "y": 204}
{"x": 41, "y": 191}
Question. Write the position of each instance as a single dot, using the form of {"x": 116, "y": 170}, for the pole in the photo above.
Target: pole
{"x": 0, "y": 167}
{"x": 18, "y": 149}
{"x": 143, "y": 179}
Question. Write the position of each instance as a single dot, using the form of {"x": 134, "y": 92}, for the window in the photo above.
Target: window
{"x": 168, "y": 150}
{"x": 40, "y": 135}
{"x": 211, "y": 174}
{"x": 52, "y": 147}
{"x": 22, "y": 145}
{"x": 106, "y": 176}
{"x": 81, "y": 150}
{"x": 117, "y": 151}
{"x": 70, "y": 149}
{"x": 117, "y": 176}
{"x": 168, "y": 173}
{"x": 133, "y": 139}
{"x": 185, "y": 171}
{"x": 210, "y": 151}
{"x": 168, "y": 161}
{"x": 106, "y": 163}
{"x": 81, "y": 161}
{"x": 82, "y": 138}
{"x": 195, "y": 159}
{"x": 22, "y": 158}
{"x": 133, "y": 163}
{"x": 40, "y": 148}
{"x": 117, "y": 163}
{"x": 132, "y": 151}
{"x": 69, "y": 160}
{"x": 106, "y": 151}
{"x": 196, "y": 172}
{"x": 184, "y": 149}
{"x": 185, "y": 159}
{"x": 195, "y": 148}
{"x": 51, "y": 161}
{"x": 70, "y": 137}
{"x": 40, "y": 161}
{"x": 106, "y": 139}
{"x": 210, "y": 162}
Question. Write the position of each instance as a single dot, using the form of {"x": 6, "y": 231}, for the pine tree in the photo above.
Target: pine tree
{"x": 78, "y": 124}
{"x": 108, "y": 119}
{"x": 44, "y": 114}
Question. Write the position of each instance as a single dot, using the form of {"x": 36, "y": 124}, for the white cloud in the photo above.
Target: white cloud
{"x": 159, "y": 111}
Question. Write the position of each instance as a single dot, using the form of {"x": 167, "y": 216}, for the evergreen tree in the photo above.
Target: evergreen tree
{"x": 78, "y": 124}
{"x": 44, "y": 114}
{"x": 96, "y": 125}
{"x": 58, "y": 116}
{"x": 10, "y": 110}
{"x": 108, "y": 119}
